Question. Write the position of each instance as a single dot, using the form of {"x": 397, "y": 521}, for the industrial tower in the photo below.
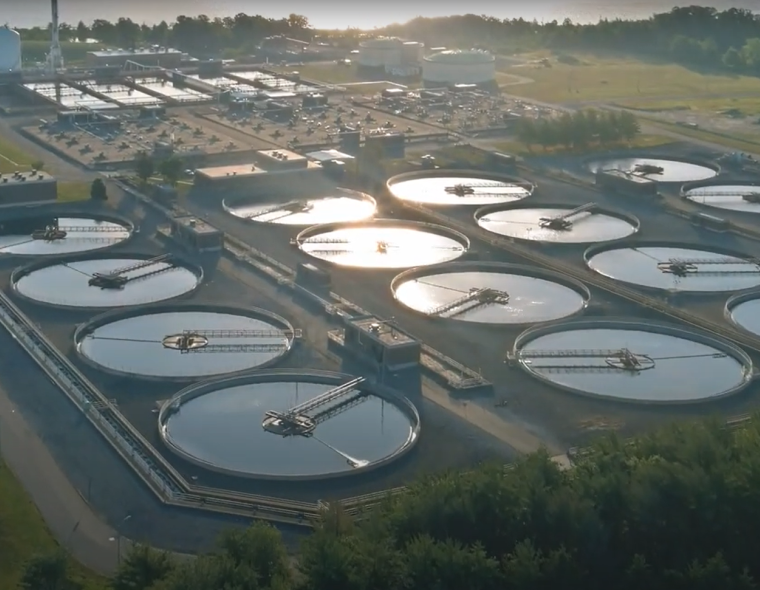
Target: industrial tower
{"x": 55, "y": 57}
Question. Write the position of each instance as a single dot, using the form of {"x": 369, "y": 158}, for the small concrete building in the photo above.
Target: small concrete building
{"x": 151, "y": 56}
{"x": 27, "y": 188}
{"x": 265, "y": 176}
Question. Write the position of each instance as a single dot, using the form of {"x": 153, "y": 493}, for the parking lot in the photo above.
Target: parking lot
{"x": 319, "y": 125}
{"x": 466, "y": 112}
{"x": 101, "y": 144}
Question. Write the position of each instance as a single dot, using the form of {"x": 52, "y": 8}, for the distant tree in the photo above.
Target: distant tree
{"x": 141, "y": 568}
{"x": 628, "y": 125}
{"x": 171, "y": 170}
{"x": 526, "y": 132}
{"x": 751, "y": 54}
{"x": 98, "y": 190}
{"x": 259, "y": 547}
{"x": 38, "y": 165}
{"x": 733, "y": 59}
{"x": 83, "y": 32}
{"x": 144, "y": 166}
{"x": 47, "y": 572}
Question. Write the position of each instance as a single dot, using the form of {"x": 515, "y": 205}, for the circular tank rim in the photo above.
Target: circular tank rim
{"x": 736, "y": 300}
{"x": 499, "y": 267}
{"x": 618, "y": 213}
{"x": 689, "y": 186}
{"x": 624, "y": 244}
{"x": 278, "y": 375}
{"x": 229, "y": 203}
{"x": 648, "y": 326}
{"x": 151, "y": 309}
{"x": 46, "y": 262}
{"x": 635, "y": 154}
{"x": 440, "y": 230}
{"x": 128, "y": 225}
{"x": 459, "y": 173}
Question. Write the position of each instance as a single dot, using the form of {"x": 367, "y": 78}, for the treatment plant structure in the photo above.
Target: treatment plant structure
{"x": 294, "y": 322}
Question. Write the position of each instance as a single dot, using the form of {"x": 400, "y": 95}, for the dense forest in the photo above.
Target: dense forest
{"x": 698, "y": 36}
{"x": 675, "y": 510}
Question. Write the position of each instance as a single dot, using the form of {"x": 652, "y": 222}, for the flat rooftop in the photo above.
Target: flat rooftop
{"x": 328, "y": 155}
{"x": 237, "y": 170}
{"x": 385, "y": 332}
{"x": 24, "y": 177}
{"x": 281, "y": 155}
{"x": 129, "y": 52}
{"x": 197, "y": 225}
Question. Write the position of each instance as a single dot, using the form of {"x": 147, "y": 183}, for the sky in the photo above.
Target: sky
{"x": 339, "y": 13}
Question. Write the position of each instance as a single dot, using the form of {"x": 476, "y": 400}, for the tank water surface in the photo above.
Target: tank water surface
{"x": 677, "y": 269}
{"x": 744, "y": 198}
{"x": 747, "y": 315}
{"x": 305, "y": 212}
{"x": 68, "y": 235}
{"x": 382, "y": 246}
{"x": 457, "y": 190}
{"x": 74, "y": 284}
{"x": 152, "y": 345}
{"x": 223, "y": 429}
{"x": 489, "y": 297}
{"x": 659, "y": 169}
{"x": 670, "y": 368}
{"x": 534, "y": 224}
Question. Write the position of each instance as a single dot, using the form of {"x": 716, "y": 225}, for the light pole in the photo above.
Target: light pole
{"x": 117, "y": 538}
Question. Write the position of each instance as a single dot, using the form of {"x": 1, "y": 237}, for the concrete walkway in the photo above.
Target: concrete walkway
{"x": 72, "y": 521}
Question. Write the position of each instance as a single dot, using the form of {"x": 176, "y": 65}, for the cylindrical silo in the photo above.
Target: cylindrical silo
{"x": 380, "y": 53}
{"x": 10, "y": 50}
{"x": 459, "y": 67}
{"x": 413, "y": 52}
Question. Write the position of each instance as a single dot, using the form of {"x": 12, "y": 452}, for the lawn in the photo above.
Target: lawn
{"x": 594, "y": 79}
{"x": 69, "y": 192}
{"x": 12, "y": 158}
{"x": 23, "y": 533}
{"x": 749, "y": 106}
{"x": 642, "y": 141}
{"x": 729, "y": 141}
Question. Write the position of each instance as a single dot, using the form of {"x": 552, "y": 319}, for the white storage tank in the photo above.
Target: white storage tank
{"x": 10, "y": 50}
{"x": 413, "y": 51}
{"x": 381, "y": 52}
{"x": 459, "y": 67}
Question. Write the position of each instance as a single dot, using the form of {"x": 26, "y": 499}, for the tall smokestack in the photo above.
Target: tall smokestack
{"x": 55, "y": 57}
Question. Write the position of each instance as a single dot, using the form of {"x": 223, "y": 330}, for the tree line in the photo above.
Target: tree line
{"x": 580, "y": 129}
{"x": 674, "y": 510}
{"x": 694, "y": 35}
{"x": 202, "y": 36}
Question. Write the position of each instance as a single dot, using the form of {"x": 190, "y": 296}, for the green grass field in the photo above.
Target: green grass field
{"x": 23, "y": 534}
{"x": 642, "y": 141}
{"x": 70, "y": 192}
{"x": 12, "y": 158}
{"x": 748, "y": 106}
{"x": 732, "y": 142}
{"x": 597, "y": 79}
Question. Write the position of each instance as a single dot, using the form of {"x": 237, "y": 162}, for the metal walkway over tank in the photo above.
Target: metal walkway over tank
{"x": 620, "y": 359}
{"x": 690, "y": 266}
{"x": 564, "y": 222}
{"x": 475, "y": 299}
{"x": 750, "y": 196}
{"x": 116, "y": 279}
{"x": 301, "y": 420}
{"x": 465, "y": 190}
{"x": 286, "y": 210}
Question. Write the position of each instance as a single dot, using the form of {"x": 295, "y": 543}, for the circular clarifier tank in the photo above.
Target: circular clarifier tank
{"x": 659, "y": 169}
{"x": 675, "y": 267}
{"x": 282, "y": 425}
{"x": 465, "y": 187}
{"x": 105, "y": 282}
{"x": 744, "y": 198}
{"x": 490, "y": 293}
{"x": 383, "y": 243}
{"x": 55, "y": 236}
{"x": 183, "y": 342}
{"x": 633, "y": 361}
{"x": 343, "y": 206}
{"x": 744, "y": 311}
{"x": 557, "y": 223}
